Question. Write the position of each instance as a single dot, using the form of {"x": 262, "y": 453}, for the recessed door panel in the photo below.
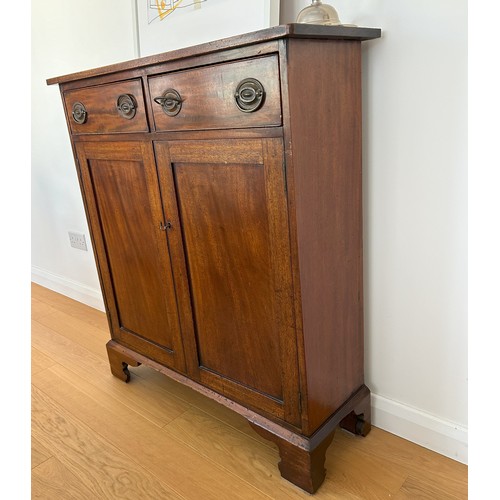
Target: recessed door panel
{"x": 226, "y": 232}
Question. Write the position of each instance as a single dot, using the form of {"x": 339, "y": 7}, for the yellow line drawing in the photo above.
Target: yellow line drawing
{"x": 163, "y": 12}
{"x": 164, "y": 8}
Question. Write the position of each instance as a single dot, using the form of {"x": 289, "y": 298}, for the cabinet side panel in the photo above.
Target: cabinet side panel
{"x": 325, "y": 125}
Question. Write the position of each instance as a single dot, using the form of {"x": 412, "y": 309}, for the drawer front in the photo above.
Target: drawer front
{"x": 110, "y": 108}
{"x": 230, "y": 95}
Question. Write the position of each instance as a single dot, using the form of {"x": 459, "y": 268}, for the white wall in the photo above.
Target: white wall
{"x": 67, "y": 37}
{"x": 415, "y": 193}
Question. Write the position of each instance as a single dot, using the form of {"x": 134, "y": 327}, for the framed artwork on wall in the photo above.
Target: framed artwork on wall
{"x": 164, "y": 25}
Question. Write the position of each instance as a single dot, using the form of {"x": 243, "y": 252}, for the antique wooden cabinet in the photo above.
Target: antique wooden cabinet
{"x": 222, "y": 186}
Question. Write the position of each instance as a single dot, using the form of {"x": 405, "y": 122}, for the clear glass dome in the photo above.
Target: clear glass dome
{"x": 317, "y": 13}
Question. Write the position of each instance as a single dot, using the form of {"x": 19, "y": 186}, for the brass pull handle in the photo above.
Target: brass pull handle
{"x": 79, "y": 113}
{"x": 249, "y": 95}
{"x": 126, "y": 106}
{"x": 170, "y": 102}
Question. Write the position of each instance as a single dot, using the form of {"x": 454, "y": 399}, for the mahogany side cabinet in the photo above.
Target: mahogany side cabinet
{"x": 222, "y": 187}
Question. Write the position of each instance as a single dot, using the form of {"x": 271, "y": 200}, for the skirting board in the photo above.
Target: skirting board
{"x": 73, "y": 289}
{"x": 422, "y": 428}
{"x": 415, "y": 425}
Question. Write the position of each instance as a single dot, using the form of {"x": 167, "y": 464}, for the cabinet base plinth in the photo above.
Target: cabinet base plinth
{"x": 302, "y": 458}
{"x": 119, "y": 361}
{"x": 359, "y": 420}
{"x": 302, "y": 465}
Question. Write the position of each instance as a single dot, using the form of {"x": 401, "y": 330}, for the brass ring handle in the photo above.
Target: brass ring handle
{"x": 249, "y": 95}
{"x": 170, "y": 102}
{"x": 126, "y": 106}
{"x": 79, "y": 113}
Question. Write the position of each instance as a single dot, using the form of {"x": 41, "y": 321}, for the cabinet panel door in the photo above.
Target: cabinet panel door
{"x": 228, "y": 199}
{"x": 126, "y": 216}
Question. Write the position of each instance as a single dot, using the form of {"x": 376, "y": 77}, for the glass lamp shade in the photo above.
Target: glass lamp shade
{"x": 317, "y": 13}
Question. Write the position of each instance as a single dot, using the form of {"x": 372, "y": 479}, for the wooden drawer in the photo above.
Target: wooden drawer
{"x": 204, "y": 98}
{"x": 110, "y": 108}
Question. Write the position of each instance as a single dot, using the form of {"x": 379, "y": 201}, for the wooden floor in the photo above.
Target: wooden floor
{"x": 95, "y": 437}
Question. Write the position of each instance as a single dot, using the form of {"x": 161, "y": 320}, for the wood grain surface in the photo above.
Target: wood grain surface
{"x": 230, "y": 222}
{"x": 102, "y": 114}
{"x": 125, "y": 215}
{"x": 208, "y": 96}
{"x": 328, "y": 213}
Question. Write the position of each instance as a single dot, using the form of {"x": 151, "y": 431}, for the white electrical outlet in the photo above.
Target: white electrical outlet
{"x": 77, "y": 240}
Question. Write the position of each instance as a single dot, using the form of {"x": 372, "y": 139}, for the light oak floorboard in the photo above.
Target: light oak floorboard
{"x": 391, "y": 453}
{"x": 94, "y": 339}
{"x": 159, "y": 439}
{"x": 56, "y": 301}
{"x": 199, "y": 401}
{"x": 39, "y": 361}
{"x": 39, "y": 308}
{"x": 39, "y": 453}
{"x": 235, "y": 451}
{"x": 425, "y": 488}
{"x": 103, "y": 469}
{"x": 52, "y": 480}
{"x": 138, "y": 396}
{"x": 179, "y": 466}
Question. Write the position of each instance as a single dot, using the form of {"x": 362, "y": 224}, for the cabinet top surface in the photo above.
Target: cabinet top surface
{"x": 283, "y": 31}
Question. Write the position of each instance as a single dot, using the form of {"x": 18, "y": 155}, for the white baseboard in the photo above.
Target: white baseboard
{"x": 444, "y": 437}
{"x": 415, "y": 425}
{"x": 78, "y": 291}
